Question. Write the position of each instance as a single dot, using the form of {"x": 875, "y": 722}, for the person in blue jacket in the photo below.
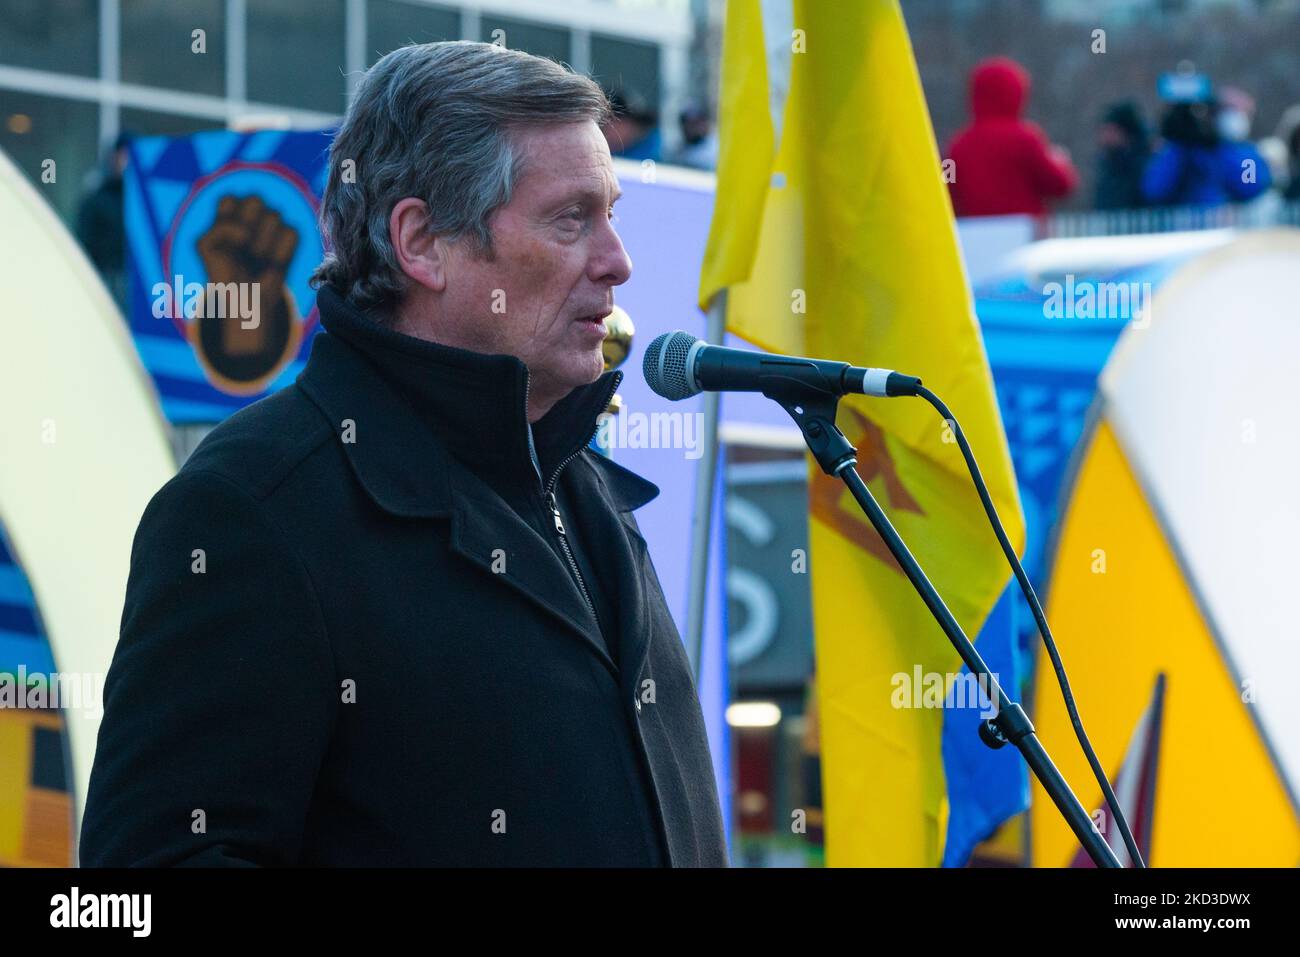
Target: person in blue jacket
{"x": 1197, "y": 167}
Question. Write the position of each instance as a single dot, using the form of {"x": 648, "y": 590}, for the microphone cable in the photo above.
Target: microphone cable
{"x": 665, "y": 368}
{"x": 1043, "y": 628}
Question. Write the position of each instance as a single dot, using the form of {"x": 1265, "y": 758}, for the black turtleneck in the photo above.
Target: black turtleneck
{"x": 476, "y": 404}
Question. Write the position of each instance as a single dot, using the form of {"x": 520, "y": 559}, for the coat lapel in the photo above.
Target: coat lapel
{"x": 410, "y": 475}
{"x": 604, "y": 496}
{"x": 484, "y": 527}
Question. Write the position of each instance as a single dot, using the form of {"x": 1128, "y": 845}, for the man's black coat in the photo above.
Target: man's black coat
{"x": 346, "y": 640}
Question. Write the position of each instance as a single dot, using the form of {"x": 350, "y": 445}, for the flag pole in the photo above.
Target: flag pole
{"x": 702, "y": 516}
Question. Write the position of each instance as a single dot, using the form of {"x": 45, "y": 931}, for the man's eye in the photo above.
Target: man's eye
{"x": 612, "y": 217}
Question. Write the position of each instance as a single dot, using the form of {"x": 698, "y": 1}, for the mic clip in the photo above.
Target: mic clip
{"x": 814, "y": 413}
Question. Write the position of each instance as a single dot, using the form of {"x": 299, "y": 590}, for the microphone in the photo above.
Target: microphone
{"x": 677, "y": 366}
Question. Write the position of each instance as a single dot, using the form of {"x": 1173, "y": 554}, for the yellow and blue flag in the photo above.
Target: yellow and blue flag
{"x": 834, "y": 238}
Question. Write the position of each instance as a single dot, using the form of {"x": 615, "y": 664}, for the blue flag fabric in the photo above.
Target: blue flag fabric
{"x": 222, "y": 239}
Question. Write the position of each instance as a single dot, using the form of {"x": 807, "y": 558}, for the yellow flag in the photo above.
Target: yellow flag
{"x": 833, "y": 234}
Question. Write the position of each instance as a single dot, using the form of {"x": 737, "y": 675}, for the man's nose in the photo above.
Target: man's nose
{"x": 610, "y": 263}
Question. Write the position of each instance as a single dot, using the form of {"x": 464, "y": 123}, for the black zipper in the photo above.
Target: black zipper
{"x": 568, "y": 554}
{"x": 548, "y": 492}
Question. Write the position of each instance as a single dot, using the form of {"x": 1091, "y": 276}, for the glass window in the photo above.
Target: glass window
{"x": 296, "y": 54}
{"x": 532, "y": 38}
{"x": 394, "y": 23}
{"x": 628, "y": 67}
{"x": 160, "y": 48}
{"x": 667, "y": 6}
{"x": 770, "y": 658}
{"x": 58, "y": 35}
{"x": 48, "y": 768}
{"x": 151, "y": 123}
{"x": 34, "y": 129}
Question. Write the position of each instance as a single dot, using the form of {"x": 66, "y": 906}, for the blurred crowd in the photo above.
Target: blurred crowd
{"x": 634, "y": 134}
{"x": 1202, "y": 153}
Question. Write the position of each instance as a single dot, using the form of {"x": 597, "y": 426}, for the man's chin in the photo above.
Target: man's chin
{"x": 578, "y": 370}
{"x": 588, "y": 368}
{"x": 588, "y": 380}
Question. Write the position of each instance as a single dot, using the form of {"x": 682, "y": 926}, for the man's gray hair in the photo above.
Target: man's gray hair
{"x": 435, "y": 121}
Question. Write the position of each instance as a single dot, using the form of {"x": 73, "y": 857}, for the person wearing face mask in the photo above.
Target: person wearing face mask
{"x": 1235, "y": 114}
{"x": 1197, "y": 165}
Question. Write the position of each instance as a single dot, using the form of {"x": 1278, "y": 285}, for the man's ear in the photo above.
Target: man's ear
{"x": 421, "y": 255}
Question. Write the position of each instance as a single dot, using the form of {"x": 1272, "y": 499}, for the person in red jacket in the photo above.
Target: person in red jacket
{"x": 1004, "y": 164}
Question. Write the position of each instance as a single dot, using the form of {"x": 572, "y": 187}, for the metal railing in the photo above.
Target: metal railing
{"x": 1267, "y": 211}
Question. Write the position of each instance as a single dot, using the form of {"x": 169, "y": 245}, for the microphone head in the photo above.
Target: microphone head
{"x": 665, "y": 365}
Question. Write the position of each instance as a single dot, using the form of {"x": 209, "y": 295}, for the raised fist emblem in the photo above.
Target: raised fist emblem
{"x": 248, "y": 325}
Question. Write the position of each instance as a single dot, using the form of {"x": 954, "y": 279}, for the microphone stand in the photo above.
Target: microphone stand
{"x": 814, "y": 413}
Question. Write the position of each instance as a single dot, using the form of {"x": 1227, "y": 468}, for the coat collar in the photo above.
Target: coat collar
{"x": 420, "y": 413}
{"x": 420, "y": 422}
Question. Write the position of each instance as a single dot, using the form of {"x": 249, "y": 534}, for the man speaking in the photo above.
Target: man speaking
{"x": 398, "y": 613}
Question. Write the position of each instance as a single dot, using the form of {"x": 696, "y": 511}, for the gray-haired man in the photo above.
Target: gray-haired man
{"x": 428, "y": 630}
